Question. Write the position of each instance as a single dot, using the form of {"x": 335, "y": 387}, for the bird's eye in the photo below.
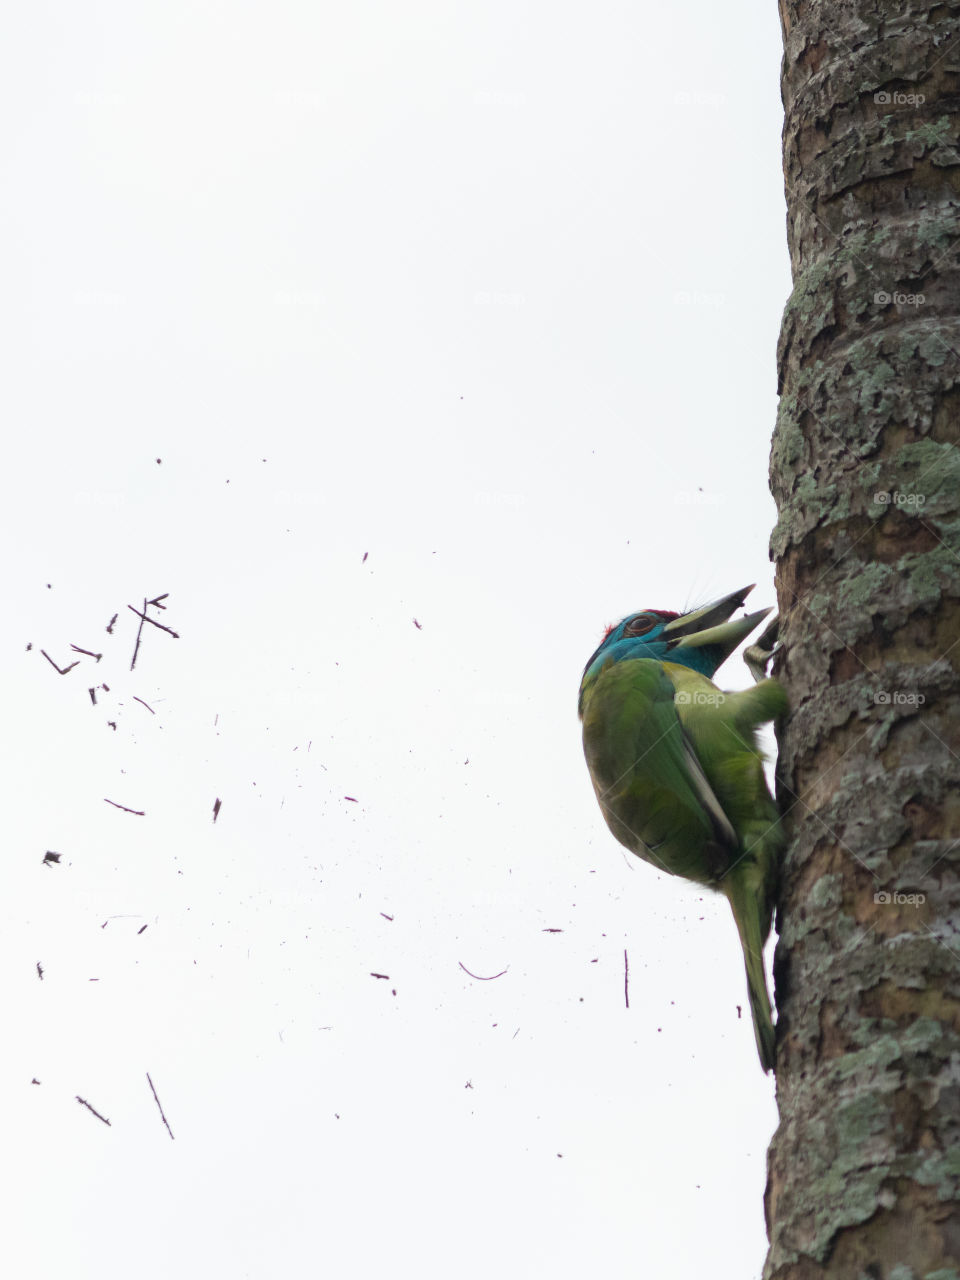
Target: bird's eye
{"x": 641, "y": 624}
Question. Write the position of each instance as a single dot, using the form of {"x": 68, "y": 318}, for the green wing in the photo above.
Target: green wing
{"x": 651, "y": 786}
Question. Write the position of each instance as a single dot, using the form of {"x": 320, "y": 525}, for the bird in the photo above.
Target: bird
{"x": 677, "y": 770}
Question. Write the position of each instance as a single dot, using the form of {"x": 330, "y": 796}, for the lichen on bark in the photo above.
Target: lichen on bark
{"x": 864, "y": 1170}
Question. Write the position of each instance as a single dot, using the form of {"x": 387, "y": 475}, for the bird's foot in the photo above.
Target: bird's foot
{"x": 760, "y": 654}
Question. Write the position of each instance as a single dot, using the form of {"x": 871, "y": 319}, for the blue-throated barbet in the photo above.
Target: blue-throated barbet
{"x": 677, "y": 770}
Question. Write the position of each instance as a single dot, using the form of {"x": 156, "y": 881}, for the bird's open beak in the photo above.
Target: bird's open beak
{"x": 709, "y": 625}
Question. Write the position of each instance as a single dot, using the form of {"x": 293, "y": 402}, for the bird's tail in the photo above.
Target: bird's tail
{"x": 750, "y": 883}
{"x": 747, "y": 905}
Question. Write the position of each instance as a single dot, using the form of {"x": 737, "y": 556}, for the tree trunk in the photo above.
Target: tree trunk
{"x": 864, "y": 1169}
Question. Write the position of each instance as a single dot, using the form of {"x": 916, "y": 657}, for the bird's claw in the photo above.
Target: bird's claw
{"x": 759, "y": 655}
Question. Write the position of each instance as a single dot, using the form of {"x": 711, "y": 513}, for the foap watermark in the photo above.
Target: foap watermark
{"x": 699, "y": 697}
{"x": 896, "y": 98}
{"x": 98, "y": 498}
{"x": 895, "y": 498}
{"x": 97, "y": 98}
{"x": 497, "y": 698}
{"x": 692, "y": 498}
{"x": 699, "y": 98}
{"x": 310, "y": 98}
{"x": 97, "y": 298}
{"x": 489, "y": 298}
{"x": 898, "y": 698}
{"x": 696, "y": 298}
{"x": 297, "y": 498}
{"x": 883, "y": 299}
{"x": 297, "y": 298}
{"x": 499, "y": 98}
{"x": 484, "y": 498}
{"x": 894, "y": 898}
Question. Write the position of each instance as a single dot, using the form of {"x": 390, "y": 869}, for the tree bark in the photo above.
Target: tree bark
{"x": 864, "y": 1169}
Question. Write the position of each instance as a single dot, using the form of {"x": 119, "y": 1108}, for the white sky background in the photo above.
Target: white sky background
{"x": 490, "y": 293}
